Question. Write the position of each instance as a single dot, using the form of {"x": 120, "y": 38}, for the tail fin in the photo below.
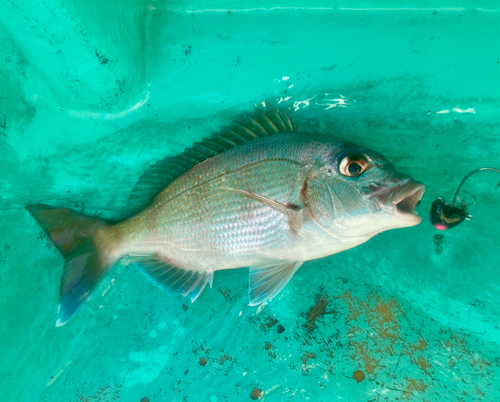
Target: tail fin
{"x": 74, "y": 235}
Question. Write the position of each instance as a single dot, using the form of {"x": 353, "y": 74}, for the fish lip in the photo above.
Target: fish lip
{"x": 405, "y": 199}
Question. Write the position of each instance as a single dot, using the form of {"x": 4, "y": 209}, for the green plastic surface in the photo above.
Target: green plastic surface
{"x": 93, "y": 93}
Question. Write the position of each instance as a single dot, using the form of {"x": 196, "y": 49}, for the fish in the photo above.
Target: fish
{"x": 259, "y": 194}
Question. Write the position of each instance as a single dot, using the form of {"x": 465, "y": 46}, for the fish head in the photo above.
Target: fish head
{"x": 364, "y": 194}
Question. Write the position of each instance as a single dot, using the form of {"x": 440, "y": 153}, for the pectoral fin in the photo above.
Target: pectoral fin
{"x": 269, "y": 278}
{"x": 293, "y": 213}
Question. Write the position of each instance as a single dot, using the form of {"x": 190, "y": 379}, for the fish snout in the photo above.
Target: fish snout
{"x": 400, "y": 200}
{"x": 406, "y": 198}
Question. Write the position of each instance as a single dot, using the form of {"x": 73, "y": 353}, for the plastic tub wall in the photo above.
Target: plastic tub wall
{"x": 93, "y": 93}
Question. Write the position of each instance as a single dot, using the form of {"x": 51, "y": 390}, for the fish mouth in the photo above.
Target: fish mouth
{"x": 405, "y": 199}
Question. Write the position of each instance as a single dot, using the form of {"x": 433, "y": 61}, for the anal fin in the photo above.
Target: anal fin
{"x": 269, "y": 278}
{"x": 173, "y": 280}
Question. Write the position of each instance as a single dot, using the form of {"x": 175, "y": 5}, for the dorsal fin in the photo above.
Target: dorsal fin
{"x": 162, "y": 173}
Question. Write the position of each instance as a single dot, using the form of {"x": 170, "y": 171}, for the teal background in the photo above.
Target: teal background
{"x": 92, "y": 93}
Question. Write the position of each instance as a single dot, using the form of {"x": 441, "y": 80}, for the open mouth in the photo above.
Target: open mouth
{"x": 407, "y": 198}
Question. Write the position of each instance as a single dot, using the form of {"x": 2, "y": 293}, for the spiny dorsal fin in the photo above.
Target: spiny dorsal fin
{"x": 162, "y": 173}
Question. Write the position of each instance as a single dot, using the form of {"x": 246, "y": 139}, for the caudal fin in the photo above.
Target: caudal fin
{"x": 74, "y": 235}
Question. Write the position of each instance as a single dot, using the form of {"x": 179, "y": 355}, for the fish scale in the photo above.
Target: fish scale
{"x": 177, "y": 219}
{"x": 257, "y": 195}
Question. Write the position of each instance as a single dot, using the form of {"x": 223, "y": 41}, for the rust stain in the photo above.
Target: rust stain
{"x": 415, "y": 353}
{"x": 384, "y": 311}
{"x": 358, "y": 375}
{"x": 316, "y": 312}
{"x": 456, "y": 341}
{"x": 383, "y": 320}
{"x": 224, "y": 358}
{"x": 419, "y": 345}
{"x": 378, "y": 333}
{"x": 479, "y": 363}
{"x": 256, "y": 393}
{"x": 457, "y": 346}
{"x": 353, "y": 305}
{"x": 388, "y": 350}
{"x": 360, "y": 351}
{"x": 353, "y": 331}
{"x": 413, "y": 386}
{"x": 422, "y": 363}
{"x": 380, "y": 315}
{"x": 306, "y": 356}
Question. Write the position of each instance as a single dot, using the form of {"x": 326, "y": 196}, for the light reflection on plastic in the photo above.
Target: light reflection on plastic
{"x": 296, "y": 105}
{"x": 324, "y": 100}
{"x": 108, "y": 116}
{"x": 458, "y": 110}
{"x": 340, "y": 102}
{"x": 261, "y": 307}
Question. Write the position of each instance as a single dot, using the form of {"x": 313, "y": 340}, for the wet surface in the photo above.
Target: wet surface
{"x": 412, "y": 315}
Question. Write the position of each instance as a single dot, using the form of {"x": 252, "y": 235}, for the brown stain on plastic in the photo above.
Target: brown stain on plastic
{"x": 256, "y": 393}
{"x": 383, "y": 320}
{"x": 380, "y": 314}
{"x": 307, "y": 356}
{"x": 224, "y": 358}
{"x": 379, "y": 336}
{"x": 361, "y": 351}
{"x": 317, "y": 311}
{"x": 413, "y": 386}
{"x": 419, "y": 361}
{"x": 358, "y": 375}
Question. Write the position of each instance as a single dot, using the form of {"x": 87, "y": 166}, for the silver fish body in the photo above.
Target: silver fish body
{"x": 199, "y": 225}
{"x": 269, "y": 204}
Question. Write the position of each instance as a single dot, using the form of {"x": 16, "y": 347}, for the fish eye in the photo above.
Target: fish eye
{"x": 353, "y": 165}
